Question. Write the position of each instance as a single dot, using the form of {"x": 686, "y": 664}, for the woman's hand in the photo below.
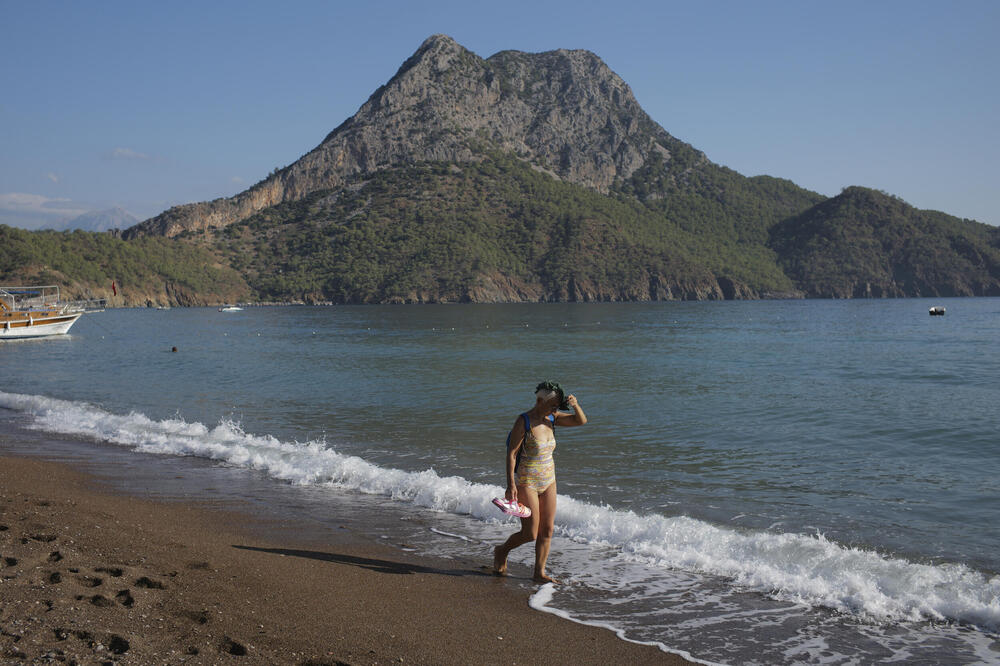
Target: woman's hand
{"x": 511, "y": 494}
{"x": 577, "y": 418}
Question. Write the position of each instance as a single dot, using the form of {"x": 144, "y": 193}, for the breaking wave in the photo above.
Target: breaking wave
{"x": 807, "y": 569}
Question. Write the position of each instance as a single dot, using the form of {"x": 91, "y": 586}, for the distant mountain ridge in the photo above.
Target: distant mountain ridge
{"x": 519, "y": 177}
{"x": 103, "y": 220}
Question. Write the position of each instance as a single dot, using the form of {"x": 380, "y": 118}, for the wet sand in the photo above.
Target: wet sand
{"x": 90, "y": 575}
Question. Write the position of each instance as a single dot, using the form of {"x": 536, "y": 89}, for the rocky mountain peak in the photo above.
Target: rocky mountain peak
{"x": 436, "y": 52}
{"x": 565, "y": 112}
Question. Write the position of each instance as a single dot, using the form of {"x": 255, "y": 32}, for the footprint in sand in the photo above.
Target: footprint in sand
{"x": 101, "y": 601}
{"x": 118, "y": 645}
{"x": 201, "y": 617}
{"x": 149, "y": 583}
{"x": 90, "y": 581}
{"x": 55, "y": 556}
{"x": 44, "y": 538}
{"x": 114, "y": 572}
{"x": 229, "y": 646}
{"x": 125, "y": 598}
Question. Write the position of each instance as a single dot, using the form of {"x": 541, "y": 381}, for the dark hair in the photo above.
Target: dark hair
{"x": 549, "y": 385}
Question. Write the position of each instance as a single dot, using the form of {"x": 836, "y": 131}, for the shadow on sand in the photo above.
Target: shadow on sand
{"x": 380, "y": 566}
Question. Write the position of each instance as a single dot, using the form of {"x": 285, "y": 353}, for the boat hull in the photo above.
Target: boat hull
{"x": 41, "y": 327}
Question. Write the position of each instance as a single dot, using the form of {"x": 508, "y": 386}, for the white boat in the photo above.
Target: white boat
{"x": 35, "y": 312}
{"x": 937, "y": 310}
{"x": 230, "y": 308}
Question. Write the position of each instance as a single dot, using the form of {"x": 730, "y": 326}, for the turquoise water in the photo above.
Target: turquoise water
{"x": 829, "y": 469}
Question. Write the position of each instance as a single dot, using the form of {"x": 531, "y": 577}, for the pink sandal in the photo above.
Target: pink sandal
{"x": 512, "y": 508}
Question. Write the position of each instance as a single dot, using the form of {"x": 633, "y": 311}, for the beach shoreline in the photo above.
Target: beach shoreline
{"x": 92, "y": 574}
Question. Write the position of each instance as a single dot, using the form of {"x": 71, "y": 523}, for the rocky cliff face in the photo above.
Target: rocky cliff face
{"x": 497, "y": 288}
{"x": 565, "y": 112}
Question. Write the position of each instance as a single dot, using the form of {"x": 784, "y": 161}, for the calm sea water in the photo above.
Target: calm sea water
{"x": 760, "y": 482}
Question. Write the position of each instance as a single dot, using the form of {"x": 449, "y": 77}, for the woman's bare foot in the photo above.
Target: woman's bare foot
{"x": 499, "y": 563}
{"x": 544, "y": 578}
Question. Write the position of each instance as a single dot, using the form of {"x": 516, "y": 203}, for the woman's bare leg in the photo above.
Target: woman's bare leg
{"x": 543, "y": 540}
{"x": 529, "y": 530}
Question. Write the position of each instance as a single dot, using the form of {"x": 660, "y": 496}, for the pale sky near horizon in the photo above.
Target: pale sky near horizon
{"x": 147, "y": 105}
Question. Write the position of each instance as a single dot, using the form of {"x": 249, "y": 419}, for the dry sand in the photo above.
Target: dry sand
{"x": 91, "y": 576}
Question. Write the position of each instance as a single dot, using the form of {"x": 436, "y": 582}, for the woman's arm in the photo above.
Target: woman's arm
{"x": 577, "y": 418}
{"x": 513, "y": 446}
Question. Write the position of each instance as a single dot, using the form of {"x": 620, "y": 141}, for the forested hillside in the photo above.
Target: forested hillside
{"x": 148, "y": 270}
{"x": 494, "y": 230}
{"x": 865, "y": 243}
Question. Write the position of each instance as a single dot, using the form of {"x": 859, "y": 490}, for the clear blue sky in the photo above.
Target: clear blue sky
{"x": 150, "y": 104}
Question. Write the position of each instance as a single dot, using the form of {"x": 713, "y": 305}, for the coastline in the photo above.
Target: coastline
{"x": 93, "y": 574}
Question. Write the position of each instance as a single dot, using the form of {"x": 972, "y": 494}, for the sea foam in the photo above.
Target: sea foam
{"x": 806, "y": 569}
{"x": 540, "y": 601}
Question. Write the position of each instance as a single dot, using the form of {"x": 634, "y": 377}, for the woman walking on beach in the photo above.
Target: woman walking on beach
{"x": 531, "y": 473}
